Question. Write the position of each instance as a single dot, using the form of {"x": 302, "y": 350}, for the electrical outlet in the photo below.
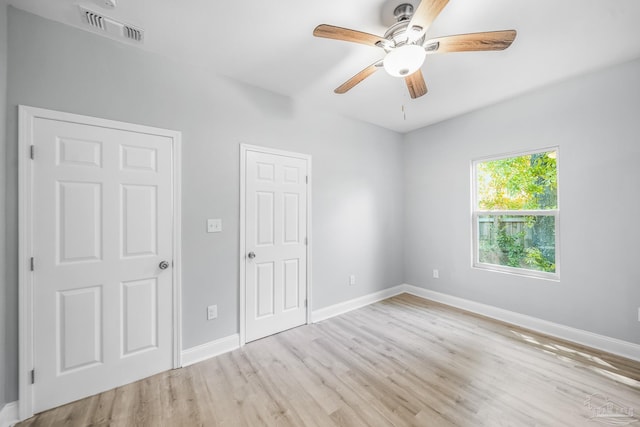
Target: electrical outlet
{"x": 352, "y": 279}
{"x": 214, "y": 225}
{"x": 436, "y": 274}
{"x": 212, "y": 312}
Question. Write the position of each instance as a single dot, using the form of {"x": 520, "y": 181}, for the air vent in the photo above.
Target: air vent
{"x": 133, "y": 33}
{"x": 94, "y": 19}
{"x": 111, "y": 26}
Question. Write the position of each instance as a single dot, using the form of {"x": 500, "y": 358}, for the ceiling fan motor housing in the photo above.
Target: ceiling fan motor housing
{"x": 404, "y": 12}
{"x": 393, "y": 11}
{"x": 397, "y": 33}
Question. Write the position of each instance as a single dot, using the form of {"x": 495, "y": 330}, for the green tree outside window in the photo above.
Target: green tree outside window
{"x": 516, "y": 205}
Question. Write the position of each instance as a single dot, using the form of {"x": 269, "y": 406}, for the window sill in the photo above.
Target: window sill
{"x": 531, "y": 274}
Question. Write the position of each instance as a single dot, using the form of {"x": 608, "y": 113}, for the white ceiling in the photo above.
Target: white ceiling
{"x": 269, "y": 44}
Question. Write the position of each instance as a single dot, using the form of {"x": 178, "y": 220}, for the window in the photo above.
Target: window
{"x": 515, "y": 214}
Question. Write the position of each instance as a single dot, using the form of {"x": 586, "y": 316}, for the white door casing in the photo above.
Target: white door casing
{"x": 99, "y": 213}
{"x": 275, "y": 241}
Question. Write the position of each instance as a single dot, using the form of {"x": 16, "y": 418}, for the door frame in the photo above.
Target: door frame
{"x": 26, "y": 117}
{"x": 244, "y": 148}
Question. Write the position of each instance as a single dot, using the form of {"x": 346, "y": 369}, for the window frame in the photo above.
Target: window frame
{"x": 476, "y": 213}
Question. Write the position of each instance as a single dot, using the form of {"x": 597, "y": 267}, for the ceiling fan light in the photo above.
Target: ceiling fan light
{"x": 405, "y": 60}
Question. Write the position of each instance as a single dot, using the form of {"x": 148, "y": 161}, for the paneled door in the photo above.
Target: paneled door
{"x": 102, "y": 258}
{"x": 275, "y": 241}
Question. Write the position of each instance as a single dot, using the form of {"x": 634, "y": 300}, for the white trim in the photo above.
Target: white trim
{"x": 356, "y": 303}
{"x": 517, "y": 153}
{"x": 25, "y": 285}
{"x": 244, "y": 148}
{"x": 176, "y": 153}
{"x": 242, "y": 245}
{"x": 309, "y": 243}
{"x": 9, "y": 414}
{"x": 589, "y": 339}
{"x": 26, "y": 117}
{"x": 548, "y": 212}
{"x": 211, "y": 349}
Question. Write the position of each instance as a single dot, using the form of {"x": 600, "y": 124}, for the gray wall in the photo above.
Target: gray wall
{"x": 357, "y": 208}
{"x": 3, "y": 133}
{"x": 594, "y": 120}
{"x": 359, "y": 190}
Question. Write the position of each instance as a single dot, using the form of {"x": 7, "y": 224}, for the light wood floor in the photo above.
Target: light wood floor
{"x": 401, "y": 362}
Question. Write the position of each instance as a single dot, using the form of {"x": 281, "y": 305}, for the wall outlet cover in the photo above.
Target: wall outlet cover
{"x": 214, "y": 225}
{"x": 212, "y": 312}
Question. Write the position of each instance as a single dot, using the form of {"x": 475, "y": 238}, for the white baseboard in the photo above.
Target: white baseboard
{"x": 589, "y": 339}
{"x": 346, "y": 306}
{"x": 211, "y": 349}
{"x": 9, "y": 414}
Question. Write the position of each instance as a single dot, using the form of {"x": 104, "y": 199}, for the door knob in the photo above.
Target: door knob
{"x": 163, "y": 265}
{"x": 251, "y": 255}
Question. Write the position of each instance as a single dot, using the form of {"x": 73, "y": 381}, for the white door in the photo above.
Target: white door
{"x": 102, "y": 226}
{"x": 275, "y": 222}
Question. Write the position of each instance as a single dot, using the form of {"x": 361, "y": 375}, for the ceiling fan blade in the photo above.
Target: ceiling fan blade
{"x": 416, "y": 85}
{"x": 425, "y": 14}
{"x": 339, "y": 33}
{"x": 491, "y": 40}
{"x": 349, "y": 84}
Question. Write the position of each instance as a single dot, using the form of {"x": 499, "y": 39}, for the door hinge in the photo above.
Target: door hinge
{"x": 306, "y": 241}
{"x": 32, "y": 264}
{"x": 305, "y": 303}
{"x": 33, "y": 376}
{"x": 32, "y": 152}
{"x": 306, "y": 178}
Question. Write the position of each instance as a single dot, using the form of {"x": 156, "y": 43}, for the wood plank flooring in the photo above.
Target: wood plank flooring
{"x": 404, "y": 361}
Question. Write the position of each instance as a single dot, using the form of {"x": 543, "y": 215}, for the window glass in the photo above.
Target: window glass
{"x": 527, "y": 182}
{"x": 518, "y": 241}
{"x": 516, "y": 214}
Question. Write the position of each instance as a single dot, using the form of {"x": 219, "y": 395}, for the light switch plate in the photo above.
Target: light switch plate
{"x": 212, "y": 312}
{"x": 214, "y": 225}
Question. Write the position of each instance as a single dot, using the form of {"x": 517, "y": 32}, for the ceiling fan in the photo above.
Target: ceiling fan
{"x": 406, "y": 45}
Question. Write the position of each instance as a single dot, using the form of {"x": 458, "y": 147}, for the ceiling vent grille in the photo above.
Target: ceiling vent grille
{"x": 94, "y": 20}
{"x": 111, "y": 26}
{"x": 133, "y": 33}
